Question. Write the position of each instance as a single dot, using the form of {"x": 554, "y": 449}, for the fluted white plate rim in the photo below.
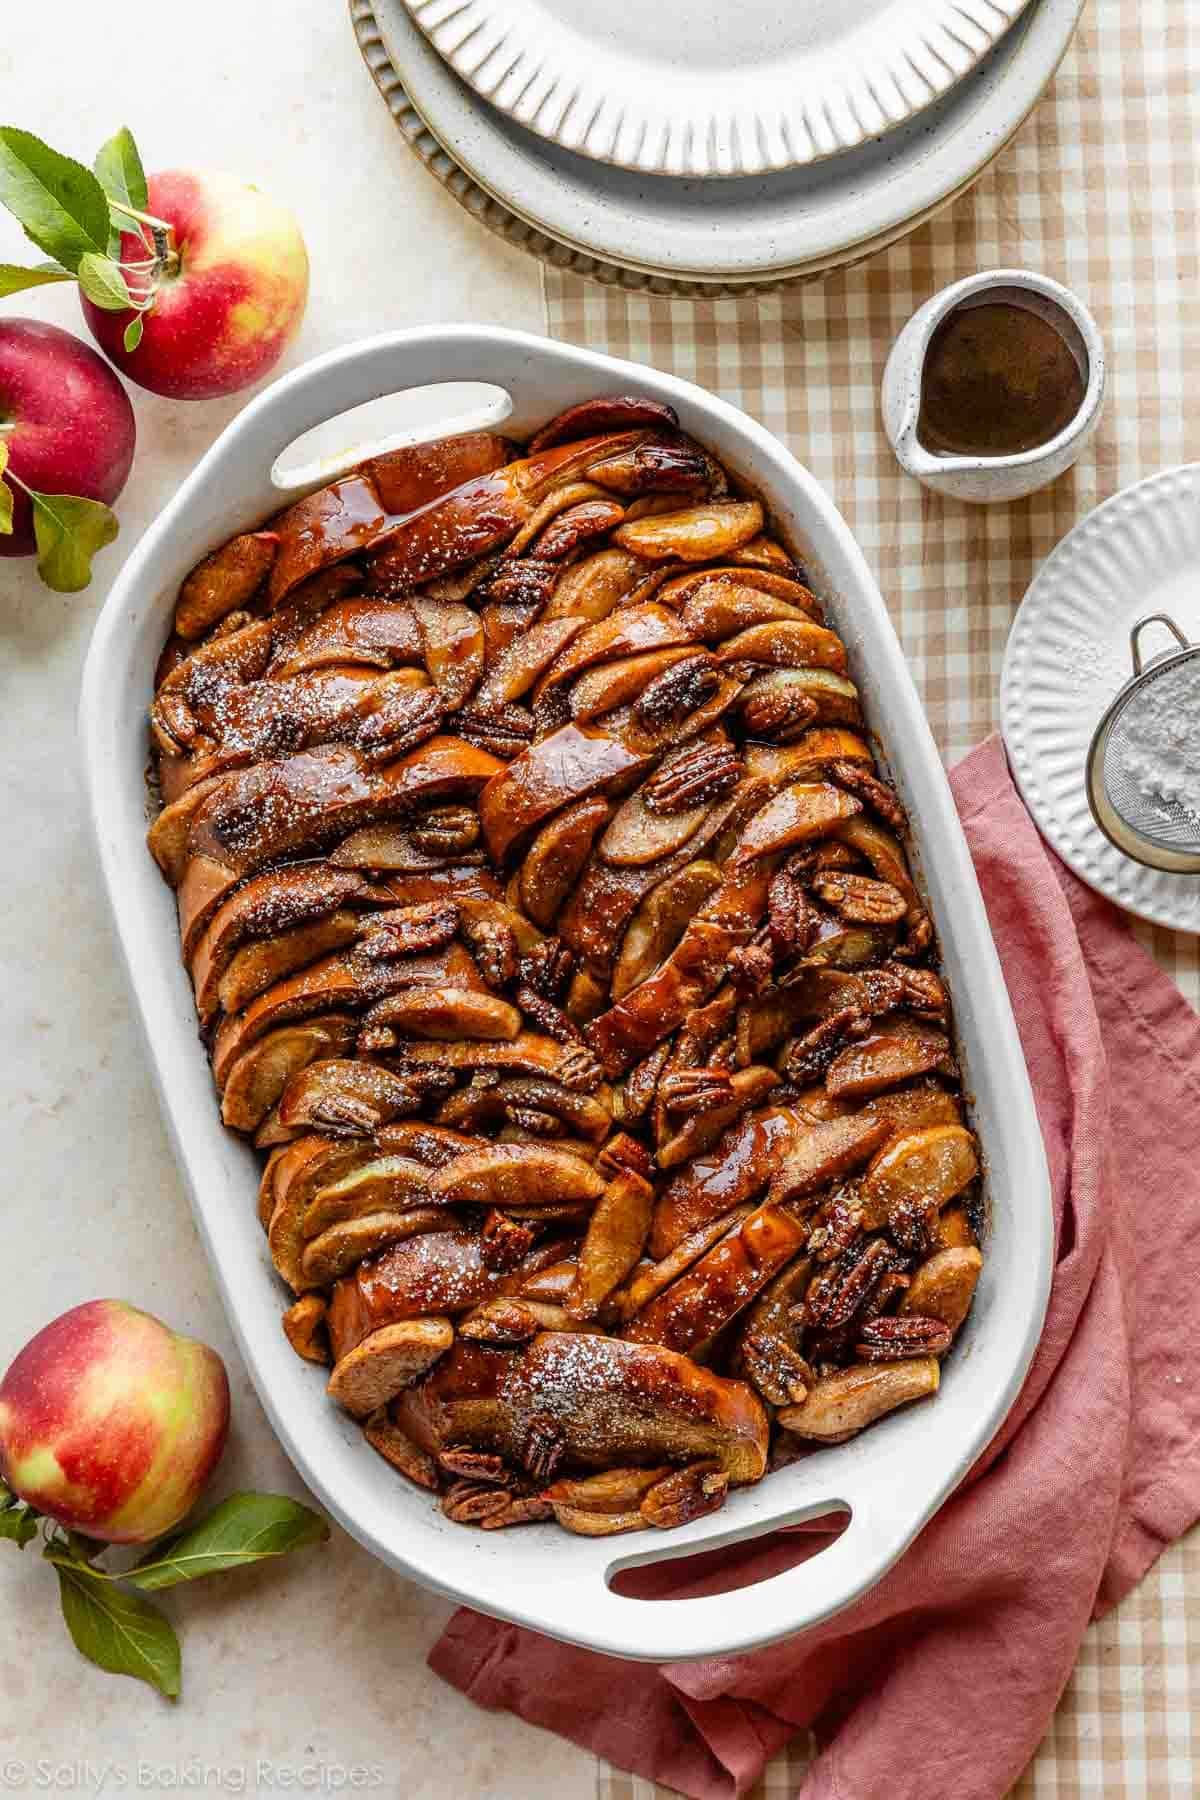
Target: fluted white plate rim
{"x": 770, "y": 227}
{"x": 1068, "y": 655}
{"x": 682, "y": 88}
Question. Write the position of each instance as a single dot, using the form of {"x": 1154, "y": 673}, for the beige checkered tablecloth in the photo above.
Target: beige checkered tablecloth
{"x": 1100, "y": 189}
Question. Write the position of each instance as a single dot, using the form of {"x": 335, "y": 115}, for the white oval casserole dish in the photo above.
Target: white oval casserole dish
{"x": 893, "y": 1477}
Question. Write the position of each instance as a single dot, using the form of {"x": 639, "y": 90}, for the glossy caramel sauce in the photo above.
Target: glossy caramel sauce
{"x": 998, "y": 379}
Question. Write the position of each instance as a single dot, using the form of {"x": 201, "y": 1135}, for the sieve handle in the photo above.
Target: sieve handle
{"x": 1135, "y": 648}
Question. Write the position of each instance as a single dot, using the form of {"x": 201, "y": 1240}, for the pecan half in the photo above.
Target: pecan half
{"x": 882, "y": 800}
{"x": 523, "y": 581}
{"x": 811, "y": 1055}
{"x": 678, "y": 691}
{"x": 887, "y": 1340}
{"x": 885, "y": 988}
{"x": 548, "y": 968}
{"x": 537, "y": 1123}
{"x": 780, "y": 1373}
{"x": 705, "y": 773}
{"x": 409, "y": 930}
{"x": 924, "y": 995}
{"x": 751, "y": 967}
{"x": 835, "y": 1297}
{"x": 547, "y": 1016}
{"x": 781, "y": 715}
{"x": 522, "y": 1509}
{"x": 859, "y": 899}
{"x": 641, "y": 1084}
{"x": 503, "y": 731}
{"x": 623, "y": 1155}
{"x": 918, "y": 936}
{"x": 471, "y": 1502}
{"x": 913, "y": 1222}
{"x": 446, "y": 831}
{"x": 579, "y": 1071}
{"x": 839, "y": 1226}
{"x": 503, "y": 1241}
{"x": 494, "y": 948}
{"x": 688, "y": 1494}
{"x": 792, "y": 919}
{"x": 407, "y": 722}
{"x": 543, "y": 1448}
{"x": 474, "y": 1465}
{"x": 687, "y": 1091}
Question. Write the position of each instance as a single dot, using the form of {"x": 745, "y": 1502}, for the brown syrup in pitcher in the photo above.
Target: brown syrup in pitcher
{"x": 998, "y": 379}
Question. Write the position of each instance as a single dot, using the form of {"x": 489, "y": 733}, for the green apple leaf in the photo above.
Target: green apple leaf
{"x": 120, "y": 173}
{"x": 246, "y": 1528}
{"x": 18, "y": 1524}
{"x": 133, "y": 333}
{"x": 13, "y": 278}
{"x": 69, "y": 531}
{"x": 119, "y": 1631}
{"x": 102, "y": 282}
{"x": 60, "y": 204}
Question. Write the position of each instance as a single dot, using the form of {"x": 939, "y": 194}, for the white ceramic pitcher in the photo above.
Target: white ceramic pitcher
{"x": 990, "y": 478}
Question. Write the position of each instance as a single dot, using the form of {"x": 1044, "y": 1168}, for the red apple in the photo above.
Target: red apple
{"x": 111, "y": 1423}
{"x": 229, "y": 299}
{"x": 66, "y": 420}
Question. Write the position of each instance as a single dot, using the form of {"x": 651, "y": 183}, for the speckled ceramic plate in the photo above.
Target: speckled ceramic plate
{"x": 698, "y": 237}
{"x": 705, "y": 88}
{"x": 1068, "y": 655}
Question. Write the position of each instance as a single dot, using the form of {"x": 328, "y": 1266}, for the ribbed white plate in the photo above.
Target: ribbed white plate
{"x": 706, "y": 87}
{"x": 762, "y": 228}
{"x": 1067, "y": 656}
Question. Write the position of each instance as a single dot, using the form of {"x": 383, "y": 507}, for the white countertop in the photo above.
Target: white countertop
{"x": 319, "y": 1661}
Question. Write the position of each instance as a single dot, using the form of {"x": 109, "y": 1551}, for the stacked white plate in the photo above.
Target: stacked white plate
{"x": 709, "y": 173}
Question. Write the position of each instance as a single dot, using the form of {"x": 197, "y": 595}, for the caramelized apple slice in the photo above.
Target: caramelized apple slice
{"x": 787, "y": 644}
{"x": 747, "y": 1087}
{"x": 615, "y": 684}
{"x": 797, "y": 815}
{"x": 613, "y": 1243}
{"x": 452, "y": 640}
{"x": 660, "y": 922}
{"x": 439, "y": 1272}
{"x": 588, "y": 1400}
{"x": 257, "y": 966}
{"x": 529, "y": 1053}
{"x": 412, "y": 476}
{"x": 271, "y": 904}
{"x": 344, "y": 1097}
{"x": 637, "y": 835}
{"x": 649, "y": 1279}
{"x": 840, "y": 1405}
{"x": 739, "y": 1164}
{"x": 826, "y": 1152}
{"x": 477, "y": 1108}
{"x": 721, "y": 606}
{"x": 695, "y": 534}
{"x": 943, "y": 1287}
{"x": 775, "y": 580}
{"x": 382, "y": 634}
{"x": 653, "y": 1009}
{"x": 613, "y": 1494}
{"x": 374, "y": 1372}
{"x": 384, "y": 1184}
{"x": 556, "y": 857}
{"x": 591, "y": 589}
{"x": 715, "y": 1289}
{"x": 341, "y": 1247}
{"x": 324, "y": 528}
{"x": 525, "y": 660}
{"x": 629, "y": 632}
{"x": 304, "y": 1328}
{"x": 570, "y": 764}
{"x": 934, "y": 1164}
{"x": 224, "y": 581}
{"x": 507, "y": 1175}
{"x": 889, "y": 1056}
{"x": 347, "y": 981}
{"x": 167, "y": 838}
{"x": 446, "y": 1012}
{"x": 765, "y": 700}
{"x": 258, "y": 1077}
{"x": 608, "y": 412}
{"x": 809, "y": 756}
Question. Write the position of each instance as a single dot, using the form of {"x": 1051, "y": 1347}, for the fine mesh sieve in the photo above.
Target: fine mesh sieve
{"x": 1143, "y": 767}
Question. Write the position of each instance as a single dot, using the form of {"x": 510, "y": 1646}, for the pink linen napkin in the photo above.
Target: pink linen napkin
{"x": 943, "y": 1678}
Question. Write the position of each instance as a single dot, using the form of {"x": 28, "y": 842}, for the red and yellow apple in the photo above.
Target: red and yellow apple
{"x": 66, "y": 421}
{"x": 229, "y": 298}
{"x": 111, "y": 1423}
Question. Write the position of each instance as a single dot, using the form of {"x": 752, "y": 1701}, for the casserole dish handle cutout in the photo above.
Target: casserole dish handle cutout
{"x": 661, "y": 1630}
